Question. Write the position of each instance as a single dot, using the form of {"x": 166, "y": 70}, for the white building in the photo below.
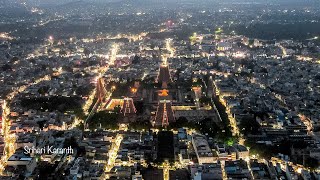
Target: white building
{"x": 202, "y": 149}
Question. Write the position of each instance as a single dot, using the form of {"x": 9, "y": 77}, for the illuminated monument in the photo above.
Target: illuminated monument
{"x": 164, "y": 74}
{"x": 101, "y": 90}
{"x": 164, "y": 114}
{"x": 128, "y": 108}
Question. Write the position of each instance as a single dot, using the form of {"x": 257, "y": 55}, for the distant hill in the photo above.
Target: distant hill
{"x": 12, "y": 8}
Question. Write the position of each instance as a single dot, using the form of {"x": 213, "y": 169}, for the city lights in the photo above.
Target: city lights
{"x": 169, "y": 90}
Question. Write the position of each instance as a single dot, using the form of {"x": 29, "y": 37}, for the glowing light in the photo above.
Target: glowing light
{"x": 170, "y": 48}
{"x": 113, "y": 153}
{"x": 133, "y": 90}
{"x": 5, "y": 36}
{"x": 163, "y": 93}
{"x": 299, "y": 170}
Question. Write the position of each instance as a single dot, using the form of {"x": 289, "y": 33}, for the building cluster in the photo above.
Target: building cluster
{"x": 276, "y": 90}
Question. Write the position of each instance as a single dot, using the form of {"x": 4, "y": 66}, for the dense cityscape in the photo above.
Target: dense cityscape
{"x": 168, "y": 90}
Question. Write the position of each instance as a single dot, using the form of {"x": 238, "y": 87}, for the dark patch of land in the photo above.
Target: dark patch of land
{"x": 165, "y": 146}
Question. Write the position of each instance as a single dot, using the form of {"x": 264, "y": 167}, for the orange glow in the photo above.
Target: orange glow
{"x": 196, "y": 88}
{"x": 163, "y": 93}
{"x": 133, "y": 90}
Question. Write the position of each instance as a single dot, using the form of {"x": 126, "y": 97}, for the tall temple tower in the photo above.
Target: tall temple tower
{"x": 164, "y": 113}
{"x": 128, "y": 107}
{"x": 164, "y": 74}
{"x": 101, "y": 90}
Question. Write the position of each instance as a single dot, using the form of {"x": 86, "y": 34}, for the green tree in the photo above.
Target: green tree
{"x": 107, "y": 120}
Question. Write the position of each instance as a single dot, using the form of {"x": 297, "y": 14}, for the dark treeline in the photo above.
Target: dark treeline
{"x": 280, "y": 31}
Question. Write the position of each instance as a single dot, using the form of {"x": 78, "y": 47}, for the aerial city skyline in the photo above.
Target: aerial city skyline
{"x": 168, "y": 90}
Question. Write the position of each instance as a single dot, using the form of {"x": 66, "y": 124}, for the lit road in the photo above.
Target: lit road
{"x": 113, "y": 152}
{"x": 132, "y": 37}
{"x": 102, "y": 70}
{"x": 170, "y": 48}
{"x": 113, "y": 53}
{"x": 89, "y": 101}
{"x": 9, "y": 139}
{"x": 233, "y": 123}
{"x": 24, "y": 87}
{"x": 166, "y": 171}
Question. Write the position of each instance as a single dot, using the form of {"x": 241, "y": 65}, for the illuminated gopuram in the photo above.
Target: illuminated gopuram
{"x": 101, "y": 90}
{"x": 128, "y": 111}
{"x": 164, "y": 114}
{"x": 164, "y": 74}
{"x": 128, "y": 108}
